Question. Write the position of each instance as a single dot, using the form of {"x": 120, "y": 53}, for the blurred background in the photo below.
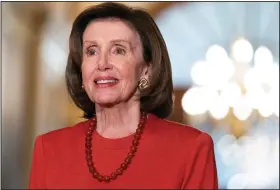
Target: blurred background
{"x": 225, "y": 61}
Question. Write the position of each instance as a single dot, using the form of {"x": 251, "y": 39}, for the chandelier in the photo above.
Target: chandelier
{"x": 242, "y": 83}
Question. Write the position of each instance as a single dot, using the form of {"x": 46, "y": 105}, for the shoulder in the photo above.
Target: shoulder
{"x": 180, "y": 133}
{"x": 66, "y": 134}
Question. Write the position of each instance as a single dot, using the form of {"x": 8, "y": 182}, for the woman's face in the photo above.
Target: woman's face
{"x": 112, "y": 62}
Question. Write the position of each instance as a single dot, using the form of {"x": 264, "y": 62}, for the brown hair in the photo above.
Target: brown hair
{"x": 157, "y": 97}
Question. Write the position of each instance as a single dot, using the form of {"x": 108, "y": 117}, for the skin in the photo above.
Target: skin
{"x": 112, "y": 48}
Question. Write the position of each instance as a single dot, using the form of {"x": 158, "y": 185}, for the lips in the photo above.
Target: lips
{"x": 105, "y": 81}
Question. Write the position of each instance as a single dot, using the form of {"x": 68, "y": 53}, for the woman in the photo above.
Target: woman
{"x": 119, "y": 74}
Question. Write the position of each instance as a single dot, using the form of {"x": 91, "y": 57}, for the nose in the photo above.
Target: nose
{"x": 103, "y": 63}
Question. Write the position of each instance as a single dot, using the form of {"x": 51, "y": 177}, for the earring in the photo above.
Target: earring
{"x": 83, "y": 86}
{"x": 143, "y": 83}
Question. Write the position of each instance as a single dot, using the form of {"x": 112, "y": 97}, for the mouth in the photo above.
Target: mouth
{"x": 105, "y": 82}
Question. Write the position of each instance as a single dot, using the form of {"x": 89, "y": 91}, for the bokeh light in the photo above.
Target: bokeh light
{"x": 216, "y": 53}
{"x": 266, "y": 104}
{"x": 200, "y": 73}
{"x": 251, "y": 80}
{"x": 218, "y": 107}
{"x": 193, "y": 101}
{"x": 230, "y": 93}
{"x": 242, "y": 109}
{"x": 242, "y": 51}
{"x": 217, "y": 71}
{"x": 263, "y": 58}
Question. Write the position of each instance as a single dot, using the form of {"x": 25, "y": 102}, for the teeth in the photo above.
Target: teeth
{"x": 105, "y": 81}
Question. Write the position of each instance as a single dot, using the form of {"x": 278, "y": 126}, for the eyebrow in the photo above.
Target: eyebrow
{"x": 112, "y": 41}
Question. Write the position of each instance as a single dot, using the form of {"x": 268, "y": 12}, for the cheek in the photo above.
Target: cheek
{"x": 131, "y": 75}
{"x": 87, "y": 70}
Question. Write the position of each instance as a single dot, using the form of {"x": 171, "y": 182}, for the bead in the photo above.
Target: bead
{"x": 138, "y": 131}
{"x": 113, "y": 175}
{"x": 130, "y": 155}
{"x": 91, "y": 128}
{"x": 133, "y": 149}
{"x": 88, "y": 151}
{"x": 90, "y": 163}
{"x": 123, "y": 166}
{"x": 88, "y": 145}
{"x": 107, "y": 178}
{"x": 95, "y": 174}
{"x": 88, "y": 138}
{"x": 137, "y": 137}
{"x": 141, "y": 127}
{"x": 127, "y": 160}
{"x": 88, "y": 142}
{"x": 88, "y": 157}
{"x": 119, "y": 171}
{"x": 100, "y": 178}
{"x": 135, "y": 142}
{"x": 91, "y": 169}
{"x": 89, "y": 133}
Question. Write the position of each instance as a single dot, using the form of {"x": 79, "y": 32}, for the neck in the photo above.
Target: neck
{"x": 118, "y": 121}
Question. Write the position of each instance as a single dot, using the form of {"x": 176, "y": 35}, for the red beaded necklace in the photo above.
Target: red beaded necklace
{"x": 127, "y": 160}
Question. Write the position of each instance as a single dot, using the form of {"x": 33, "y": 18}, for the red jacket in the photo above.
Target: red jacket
{"x": 170, "y": 155}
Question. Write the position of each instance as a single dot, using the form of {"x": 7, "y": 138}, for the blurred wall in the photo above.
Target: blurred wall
{"x": 20, "y": 38}
{"x": 178, "y": 113}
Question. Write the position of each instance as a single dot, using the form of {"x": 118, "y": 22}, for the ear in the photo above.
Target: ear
{"x": 146, "y": 71}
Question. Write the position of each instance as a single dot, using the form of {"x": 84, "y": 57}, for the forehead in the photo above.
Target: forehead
{"x": 110, "y": 29}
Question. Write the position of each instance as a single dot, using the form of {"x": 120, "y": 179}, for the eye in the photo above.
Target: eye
{"x": 91, "y": 51}
{"x": 120, "y": 51}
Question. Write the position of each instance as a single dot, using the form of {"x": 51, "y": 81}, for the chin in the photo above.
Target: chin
{"x": 106, "y": 101}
